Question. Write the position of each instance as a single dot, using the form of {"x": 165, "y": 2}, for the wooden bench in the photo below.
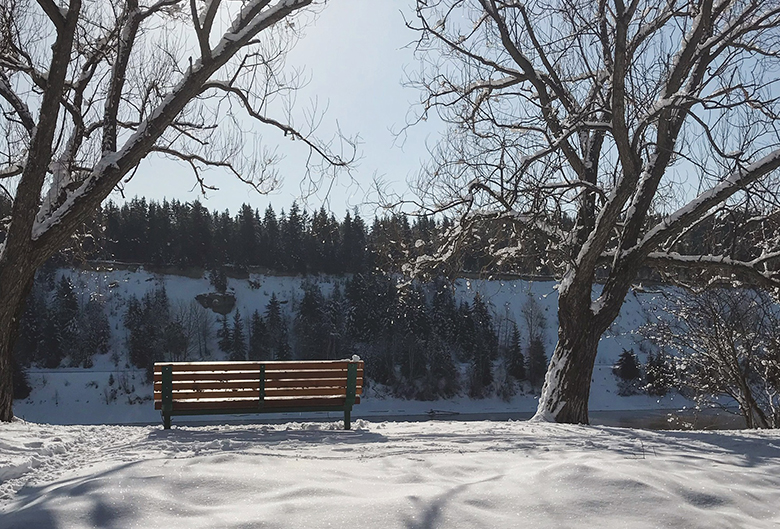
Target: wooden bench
{"x": 211, "y": 388}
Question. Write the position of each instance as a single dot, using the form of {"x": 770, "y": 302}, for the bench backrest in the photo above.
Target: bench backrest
{"x": 238, "y": 384}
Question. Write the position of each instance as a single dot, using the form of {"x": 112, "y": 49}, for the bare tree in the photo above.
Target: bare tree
{"x": 725, "y": 343}
{"x": 638, "y": 121}
{"x": 88, "y": 89}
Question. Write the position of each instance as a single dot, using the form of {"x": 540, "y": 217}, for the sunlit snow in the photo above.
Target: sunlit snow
{"x": 386, "y": 475}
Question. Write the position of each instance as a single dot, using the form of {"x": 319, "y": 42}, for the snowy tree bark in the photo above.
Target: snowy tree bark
{"x": 106, "y": 97}
{"x": 592, "y": 111}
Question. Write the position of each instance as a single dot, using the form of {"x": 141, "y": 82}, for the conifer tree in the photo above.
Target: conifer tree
{"x": 30, "y": 345}
{"x": 537, "y": 362}
{"x": 95, "y": 332}
{"x": 336, "y": 312}
{"x": 66, "y": 320}
{"x": 258, "y": 338}
{"x": 627, "y": 371}
{"x": 310, "y": 329}
{"x": 147, "y": 322}
{"x": 248, "y": 237}
{"x": 269, "y": 240}
{"x": 22, "y": 388}
{"x": 515, "y": 361}
{"x": 484, "y": 350}
{"x": 277, "y": 330}
{"x": 237, "y": 338}
{"x": 627, "y": 366}
{"x": 224, "y": 339}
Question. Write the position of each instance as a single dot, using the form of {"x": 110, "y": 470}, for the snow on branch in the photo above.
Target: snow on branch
{"x": 19, "y": 106}
{"x": 747, "y": 269}
{"x": 738, "y": 180}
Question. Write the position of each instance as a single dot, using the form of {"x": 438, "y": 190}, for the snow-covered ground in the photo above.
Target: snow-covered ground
{"x": 386, "y": 475}
{"x": 68, "y": 467}
{"x": 84, "y": 396}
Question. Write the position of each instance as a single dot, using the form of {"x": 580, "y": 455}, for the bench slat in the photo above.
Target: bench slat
{"x": 249, "y": 392}
{"x": 237, "y": 384}
{"x": 248, "y": 375}
{"x": 270, "y": 365}
{"x": 247, "y": 404}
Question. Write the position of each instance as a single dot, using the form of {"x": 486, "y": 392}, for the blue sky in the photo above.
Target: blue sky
{"x": 355, "y": 53}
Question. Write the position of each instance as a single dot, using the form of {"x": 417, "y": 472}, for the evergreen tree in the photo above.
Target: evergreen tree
{"x": 237, "y": 338}
{"x": 444, "y": 311}
{"x": 159, "y": 233}
{"x": 66, "y": 320}
{"x": 29, "y": 343}
{"x": 627, "y": 371}
{"x": 198, "y": 236}
{"x": 248, "y": 237}
{"x": 310, "y": 326}
{"x": 218, "y": 279}
{"x": 95, "y": 332}
{"x": 352, "y": 253}
{"x": 442, "y": 379}
{"x": 258, "y": 338}
{"x": 627, "y": 366}
{"x": 537, "y": 362}
{"x": 112, "y": 225}
{"x": 659, "y": 373}
{"x": 224, "y": 247}
{"x": 411, "y": 331}
{"x": 336, "y": 312}
{"x": 484, "y": 351}
{"x": 22, "y": 388}
{"x": 149, "y": 329}
{"x": 269, "y": 240}
{"x": 277, "y": 330}
{"x": 293, "y": 247}
{"x": 224, "y": 339}
{"x": 515, "y": 361}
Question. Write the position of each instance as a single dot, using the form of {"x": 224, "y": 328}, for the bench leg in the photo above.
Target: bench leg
{"x": 347, "y": 424}
{"x": 166, "y": 421}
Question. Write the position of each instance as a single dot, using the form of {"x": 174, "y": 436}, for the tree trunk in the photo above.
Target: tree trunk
{"x": 16, "y": 280}
{"x": 567, "y": 383}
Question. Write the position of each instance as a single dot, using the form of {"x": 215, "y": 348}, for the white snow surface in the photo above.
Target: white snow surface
{"x": 386, "y": 474}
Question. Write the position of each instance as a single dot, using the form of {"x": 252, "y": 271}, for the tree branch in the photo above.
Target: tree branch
{"x": 54, "y": 13}
{"x": 19, "y": 106}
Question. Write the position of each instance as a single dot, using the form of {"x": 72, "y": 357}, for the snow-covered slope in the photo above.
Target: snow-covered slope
{"x": 387, "y": 475}
{"x": 84, "y": 396}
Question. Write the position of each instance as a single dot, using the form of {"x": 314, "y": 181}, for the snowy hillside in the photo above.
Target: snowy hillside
{"x": 113, "y": 392}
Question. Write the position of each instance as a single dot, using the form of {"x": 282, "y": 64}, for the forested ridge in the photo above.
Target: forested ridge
{"x": 420, "y": 342}
{"x": 297, "y": 241}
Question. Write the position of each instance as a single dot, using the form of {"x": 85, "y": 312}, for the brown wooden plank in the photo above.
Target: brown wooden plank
{"x": 276, "y": 404}
{"x": 196, "y": 384}
{"x": 255, "y": 393}
{"x": 251, "y": 365}
{"x": 289, "y": 374}
{"x": 248, "y": 375}
{"x": 190, "y": 385}
{"x": 309, "y": 382}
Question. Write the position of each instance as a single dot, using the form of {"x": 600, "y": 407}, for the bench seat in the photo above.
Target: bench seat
{"x": 210, "y": 388}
